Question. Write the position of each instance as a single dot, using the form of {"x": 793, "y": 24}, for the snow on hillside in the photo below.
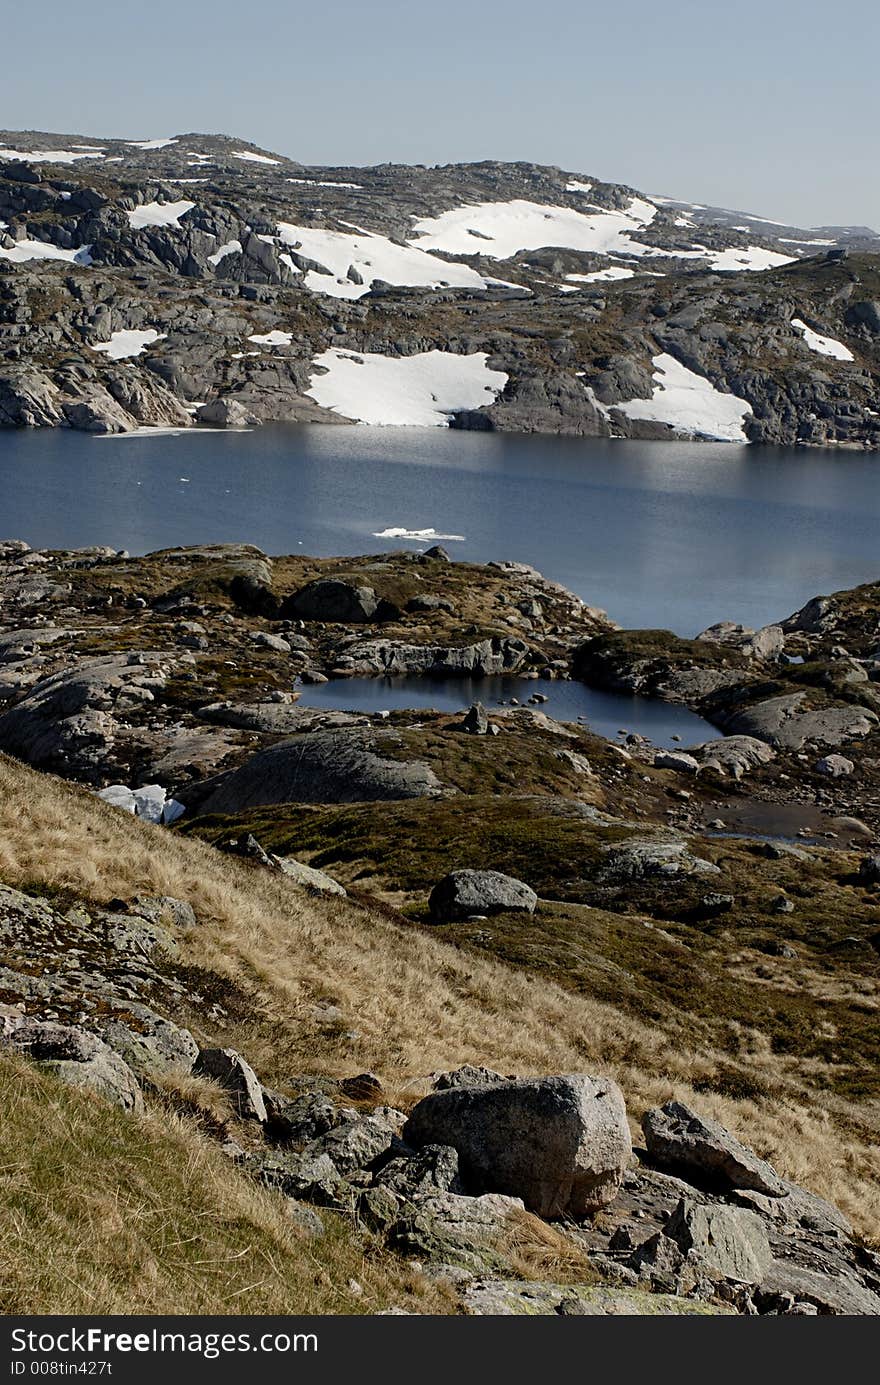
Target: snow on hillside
{"x": 158, "y": 214}
{"x": 823, "y": 346}
{"x": 131, "y": 342}
{"x": 149, "y": 143}
{"x": 273, "y": 338}
{"x": 689, "y": 403}
{"x": 502, "y": 229}
{"x": 751, "y": 257}
{"x": 247, "y": 157}
{"x": 50, "y": 156}
{"x": 232, "y": 247}
{"x": 410, "y": 391}
{"x": 371, "y": 257}
{"x": 24, "y": 250}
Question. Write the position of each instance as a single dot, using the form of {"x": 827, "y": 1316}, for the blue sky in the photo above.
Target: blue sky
{"x": 769, "y": 106}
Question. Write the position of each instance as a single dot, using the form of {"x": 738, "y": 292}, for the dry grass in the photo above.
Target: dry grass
{"x": 415, "y": 1003}
{"x": 109, "y": 1213}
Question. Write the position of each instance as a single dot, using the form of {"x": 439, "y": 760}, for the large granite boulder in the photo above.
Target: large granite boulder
{"x": 562, "y": 1144}
{"x": 463, "y": 893}
{"x": 683, "y": 1142}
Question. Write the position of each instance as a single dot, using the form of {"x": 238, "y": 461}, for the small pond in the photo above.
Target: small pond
{"x": 606, "y": 713}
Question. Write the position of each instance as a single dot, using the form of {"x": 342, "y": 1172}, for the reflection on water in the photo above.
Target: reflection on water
{"x": 608, "y": 714}
{"x": 659, "y": 534}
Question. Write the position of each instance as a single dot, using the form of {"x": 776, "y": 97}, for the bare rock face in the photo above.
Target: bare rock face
{"x": 730, "y": 1240}
{"x": 80, "y": 1059}
{"x": 683, "y": 1142}
{"x": 341, "y": 766}
{"x": 333, "y": 600}
{"x": 463, "y": 893}
{"x": 226, "y": 413}
{"x": 562, "y": 1144}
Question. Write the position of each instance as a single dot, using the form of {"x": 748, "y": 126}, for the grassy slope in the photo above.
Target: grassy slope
{"x": 415, "y": 1002}
{"x": 105, "y": 1212}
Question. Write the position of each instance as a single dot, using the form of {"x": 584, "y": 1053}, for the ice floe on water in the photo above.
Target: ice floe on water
{"x": 502, "y": 229}
{"x": 24, "y": 250}
{"x": 420, "y": 535}
{"x": 420, "y": 391}
{"x": 823, "y": 346}
{"x": 355, "y": 260}
{"x": 131, "y": 342}
{"x": 247, "y": 157}
{"x": 273, "y": 338}
{"x": 49, "y": 156}
{"x": 158, "y": 214}
{"x": 689, "y": 403}
{"x": 149, "y": 802}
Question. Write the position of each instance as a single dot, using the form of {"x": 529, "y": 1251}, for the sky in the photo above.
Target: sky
{"x": 767, "y": 106}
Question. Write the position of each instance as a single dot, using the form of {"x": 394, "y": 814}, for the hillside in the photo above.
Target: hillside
{"x": 697, "y": 924}
{"x": 197, "y": 279}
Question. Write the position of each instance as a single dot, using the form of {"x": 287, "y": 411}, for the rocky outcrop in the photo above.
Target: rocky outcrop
{"x": 78, "y": 1058}
{"x": 680, "y": 1140}
{"x": 484, "y": 659}
{"x": 351, "y": 765}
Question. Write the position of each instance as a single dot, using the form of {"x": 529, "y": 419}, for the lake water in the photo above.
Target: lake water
{"x": 659, "y": 534}
{"x": 608, "y": 714}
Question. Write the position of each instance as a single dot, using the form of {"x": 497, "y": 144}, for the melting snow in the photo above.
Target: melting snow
{"x": 824, "y": 346}
{"x": 232, "y": 247}
{"x": 575, "y": 186}
{"x": 158, "y": 214}
{"x": 50, "y": 156}
{"x": 501, "y": 229}
{"x": 432, "y": 535}
{"x": 751, "y": 257}
{"x": 416, "y": 391}
{"x": 319, "y": 183}
{"x": 372, "y": 257}
{"x": 598, "y": 275}
{"x": 689, "y": 403}
{"x": 44, "y": 250}
{"x": 250, "y": 158}
{"x": 274, "y": 338}
{"x": 123, "y": 345}
{"x": 149, "y": 143}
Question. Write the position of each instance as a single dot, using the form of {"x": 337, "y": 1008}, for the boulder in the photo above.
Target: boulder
{"x": 432, "y": 1169}
{"x": 309, "y": 878}
{"x": 464, "y": 893}
{"x": 226, "y": 413}
{"x": 476, "y": 722}
{"x": 562, "y": 1144}
{"x": 80, "y": 1059}
{"x": 333, "y": 600}
{"x": 834, "y": 766}
{"x": 230, "y": 1070}
{"x": 695, "y": 1147}
{"x": 359, "y": 1143}
{"x": 676, "y": 759}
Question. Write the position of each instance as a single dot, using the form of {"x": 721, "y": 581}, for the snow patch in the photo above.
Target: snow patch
{"x": 274, "y": 338}
{"x": 232, "y": 247}
{"x": 49, "y": 156}
{"x": 419, "y": 391}
{"x": 322, "y": 183}
{"x": 372, "y": 257}
{"x": 599, "y": 275}
{"x": 125, "y": 344}
{"x": 149, "y": 143}
{"x": 44, "y": 250}
{"x": 689, "y": 403}
{"x": 823, "y": 346}
{"x": 502, "y": 229}
{"x": 575, "y": 186}
{"x": 247, "y": 157}
{"x": 158, "y": 214}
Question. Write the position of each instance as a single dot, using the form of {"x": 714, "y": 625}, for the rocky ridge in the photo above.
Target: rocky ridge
{"x": 200, "y": 279}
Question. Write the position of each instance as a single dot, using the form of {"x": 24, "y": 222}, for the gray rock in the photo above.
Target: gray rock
{"x": 463, "y": 893}
{"x": 834, "y": 766}
{"x": 228, "y": 1068}
{"x": 683, "y": 1142}
{"x": 676, "y": 759}
{"x": 357, "y": 1144}
{"x": 561, "y": 1144}
{"x": 730, "y": 1240}
{"x": 787, "y": 725}
{"x": 227, "y": 413}
{"x": 434, "y": 1168}
{"x": 476, "y": 722}
{"x": 79, "y": 1059}
{"x": 308, "y": 877}
{"x": 467, "y": 1076}
{"x": 641, "y": 858}
{"x": 332, "y": 600}
{"x": 513, "y": 1298}
{"x": 276, "y": 643}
